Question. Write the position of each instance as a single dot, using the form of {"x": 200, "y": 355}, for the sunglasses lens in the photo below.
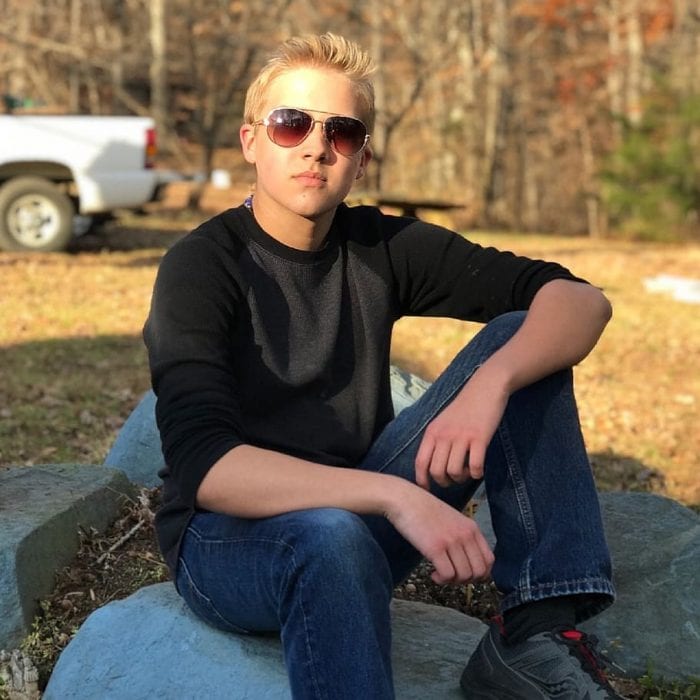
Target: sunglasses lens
{"x": 346, "y": 134}
{"x": 288, "y": 127}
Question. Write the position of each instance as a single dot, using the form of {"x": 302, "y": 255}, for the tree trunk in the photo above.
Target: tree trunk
{"x": 379, "y": 137}
{"x": 75, "y": 68}
{"x": 159, "y": 67}
{"x": 496, "y": 77}
{"x": 635, "y": 51}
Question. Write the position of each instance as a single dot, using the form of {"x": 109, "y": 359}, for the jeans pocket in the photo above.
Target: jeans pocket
{"x": 200, "y": 604}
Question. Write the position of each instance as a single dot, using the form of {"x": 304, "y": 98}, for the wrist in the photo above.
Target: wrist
{"x": 498, "y": 373}
{"x": 398, "y": 494}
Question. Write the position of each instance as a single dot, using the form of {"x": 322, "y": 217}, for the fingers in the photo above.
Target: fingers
{"x": 462, "y": 566}
{"x": 447, "y": 538}
{"x": 464, "y": 562}
{"x": 456, "y": 471}
{"x": 477, "y": 458}
{"x": 448, "y": 462}
{"x": 423, "y": 461}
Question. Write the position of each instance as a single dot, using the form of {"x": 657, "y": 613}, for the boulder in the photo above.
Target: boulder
{"x": 655, "y": 622}
{"x": 137, "y": 451}
{"x": 406, "y": 388}
{"x": 655, "y": 547}
{"x": 41, "y": 509}
{"x": 150, "y": 646}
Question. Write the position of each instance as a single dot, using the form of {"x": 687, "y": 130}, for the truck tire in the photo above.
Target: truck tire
{"x": 34, "y": 215}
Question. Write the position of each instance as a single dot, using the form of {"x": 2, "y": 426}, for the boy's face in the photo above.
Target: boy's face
{"x": 309, "y": 179}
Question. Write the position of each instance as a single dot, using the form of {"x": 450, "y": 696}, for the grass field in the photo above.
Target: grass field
{"x": 73, "y": 365}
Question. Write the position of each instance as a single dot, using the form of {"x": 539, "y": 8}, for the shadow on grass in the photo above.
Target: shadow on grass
{"x": 116, "y": 236}
{"x": 615, "y": 472}
{"x": 65, "y": 400}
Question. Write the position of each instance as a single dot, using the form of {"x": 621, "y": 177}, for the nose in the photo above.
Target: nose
{"x": 315, "y": 144}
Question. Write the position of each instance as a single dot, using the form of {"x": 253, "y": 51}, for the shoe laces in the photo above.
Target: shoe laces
{"x": 594, "y": 662}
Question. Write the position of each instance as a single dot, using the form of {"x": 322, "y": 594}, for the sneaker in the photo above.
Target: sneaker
{"x": 563, "y": 664}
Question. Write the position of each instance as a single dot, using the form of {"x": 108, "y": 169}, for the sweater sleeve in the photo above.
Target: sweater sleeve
{"x": 187, "y": 335}
{"x": 440, "y": 273}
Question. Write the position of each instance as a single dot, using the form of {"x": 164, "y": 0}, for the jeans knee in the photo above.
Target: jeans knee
{"x": 337, "y": 533}
{"x": 496, "y": 333}
{"x": 503, "y": 327}
{"x": 339, "y": 544}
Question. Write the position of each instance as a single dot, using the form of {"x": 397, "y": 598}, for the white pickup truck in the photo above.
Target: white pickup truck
{"x": 54, "y": 167}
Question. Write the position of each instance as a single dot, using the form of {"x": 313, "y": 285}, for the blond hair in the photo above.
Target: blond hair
{"x": 328, "y": 51}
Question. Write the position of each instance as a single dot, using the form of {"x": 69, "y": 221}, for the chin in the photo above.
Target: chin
{"x": 316, "y": 209}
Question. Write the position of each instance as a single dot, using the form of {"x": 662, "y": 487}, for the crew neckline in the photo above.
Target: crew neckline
{"x": 252, "y": 230}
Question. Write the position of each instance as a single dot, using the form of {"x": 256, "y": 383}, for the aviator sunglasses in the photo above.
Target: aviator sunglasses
{"x": 288, "y": 127}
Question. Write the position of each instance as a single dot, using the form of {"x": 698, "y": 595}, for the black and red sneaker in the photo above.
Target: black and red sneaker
{"x": 563, "y": 664}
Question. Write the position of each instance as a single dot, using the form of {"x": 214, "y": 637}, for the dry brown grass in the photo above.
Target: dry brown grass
{"x": 73, "y": 364}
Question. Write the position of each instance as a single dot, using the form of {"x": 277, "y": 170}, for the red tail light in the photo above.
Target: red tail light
{"x": 150, "y": 153}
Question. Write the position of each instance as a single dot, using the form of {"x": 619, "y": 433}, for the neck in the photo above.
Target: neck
{"x": 290, "y": 229}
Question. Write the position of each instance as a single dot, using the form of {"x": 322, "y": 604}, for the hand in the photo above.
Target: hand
{"x": 450, "y": 540}
{"x": 453, "y": 448}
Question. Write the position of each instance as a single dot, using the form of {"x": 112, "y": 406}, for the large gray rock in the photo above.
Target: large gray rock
{"x": 406, "y": 388}
{"x": 655, "y": 546}
{"x": 41, "y": 509}
{"x": 137, "y": 449}
{"x": 151, "y": 646}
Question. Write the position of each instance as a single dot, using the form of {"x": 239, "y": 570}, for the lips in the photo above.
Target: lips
{"x": 310, "y": 177}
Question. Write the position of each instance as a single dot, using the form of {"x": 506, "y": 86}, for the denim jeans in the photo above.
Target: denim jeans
{"x": 324, "y": 577}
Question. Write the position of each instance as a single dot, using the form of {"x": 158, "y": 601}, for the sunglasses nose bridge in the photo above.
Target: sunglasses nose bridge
{"x": 324, "y": 131}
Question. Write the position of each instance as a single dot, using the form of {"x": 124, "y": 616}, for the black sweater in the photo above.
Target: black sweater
{"x": 253, "y": 342}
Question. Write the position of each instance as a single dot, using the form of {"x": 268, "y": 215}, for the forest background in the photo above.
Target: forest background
{"x": 567, "y": 116}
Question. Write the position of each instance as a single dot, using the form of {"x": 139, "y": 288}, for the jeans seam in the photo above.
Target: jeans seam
{"x": 523, "y": 500}
{"x": 307, "y": 636}
{"x": 519, "y": 487}
{"x": 229, "y": 540}
{"x": 309, "y": 649}
{"x": 192, "y": 584}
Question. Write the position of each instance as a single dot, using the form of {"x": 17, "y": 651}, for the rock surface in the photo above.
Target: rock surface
{"x": 655, "y": 546}
{"x": 41, "y": 509}
{"x": 136, "y": 451}
{"x": 158, "y": 649}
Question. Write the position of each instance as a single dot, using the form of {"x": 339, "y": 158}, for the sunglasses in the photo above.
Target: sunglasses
{"x": 288, "y": 127}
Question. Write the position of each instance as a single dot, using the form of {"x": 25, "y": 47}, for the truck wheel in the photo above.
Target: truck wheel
{"x": 34, "y": 215}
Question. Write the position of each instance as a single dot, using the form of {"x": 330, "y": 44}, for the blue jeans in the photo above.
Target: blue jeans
{"x": 324, "y": 577}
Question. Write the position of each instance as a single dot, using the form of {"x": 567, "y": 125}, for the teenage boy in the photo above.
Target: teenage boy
{"x": 293, "y": 500}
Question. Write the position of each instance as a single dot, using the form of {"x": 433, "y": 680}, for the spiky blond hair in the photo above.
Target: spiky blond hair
{"x": 320, "y": 51}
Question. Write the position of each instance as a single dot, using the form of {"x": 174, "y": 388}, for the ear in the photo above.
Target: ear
{"x": 247, "y": 136}
{"x": 365, "y": 158}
